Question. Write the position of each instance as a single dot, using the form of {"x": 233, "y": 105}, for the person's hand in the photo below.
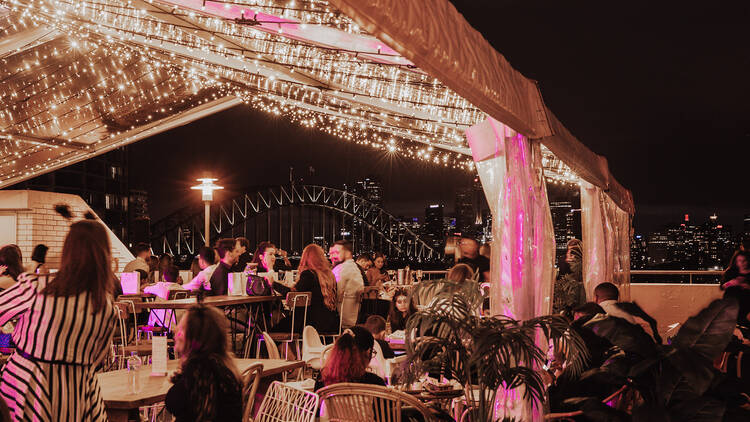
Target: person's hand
{"x": 283, "y": 253}
{"x": 3, "y": 268}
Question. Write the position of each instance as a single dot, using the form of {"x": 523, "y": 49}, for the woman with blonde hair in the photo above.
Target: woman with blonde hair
{"x": 315, "y": 276}
{"x": 460, "y": 273}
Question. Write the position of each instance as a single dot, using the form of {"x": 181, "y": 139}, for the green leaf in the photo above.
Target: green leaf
{"x": 709, "y": 332}
{"x": 629, "y": 337}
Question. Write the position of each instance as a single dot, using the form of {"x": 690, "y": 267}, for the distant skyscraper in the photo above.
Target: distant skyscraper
{"x": 139, "y": 221}
{"x": 101, "y": 181}
{"x": 370, "y": 189}
{"x": 567, "y": 223}
{"x": 433, "y": 224}
{"x": 465, "y": 213}
{"x": 689, "y": 247}
{"x": 638, "y": 253}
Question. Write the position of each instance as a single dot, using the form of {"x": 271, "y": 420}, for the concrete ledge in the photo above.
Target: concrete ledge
{"x": 670, "y": 303}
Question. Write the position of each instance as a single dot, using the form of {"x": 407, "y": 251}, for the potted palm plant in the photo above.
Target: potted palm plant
{"x": 484, "y": 354}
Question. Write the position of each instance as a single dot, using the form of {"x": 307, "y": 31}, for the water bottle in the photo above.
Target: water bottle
{"x": 134, "y": 380}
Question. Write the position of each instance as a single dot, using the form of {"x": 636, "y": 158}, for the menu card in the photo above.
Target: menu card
{"x": 159, "y": 356}
{"x": 131, "y": 283}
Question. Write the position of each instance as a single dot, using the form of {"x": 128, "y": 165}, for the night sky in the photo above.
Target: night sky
{"x": 659, "y": 88}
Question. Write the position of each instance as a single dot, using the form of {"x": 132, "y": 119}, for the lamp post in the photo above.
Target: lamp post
{"x": 207, "y": 187}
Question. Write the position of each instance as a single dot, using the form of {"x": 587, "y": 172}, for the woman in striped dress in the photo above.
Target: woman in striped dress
{"x": 63, "y": 332}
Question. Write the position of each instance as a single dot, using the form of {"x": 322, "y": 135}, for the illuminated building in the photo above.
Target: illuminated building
{"x": 433, "y": 228}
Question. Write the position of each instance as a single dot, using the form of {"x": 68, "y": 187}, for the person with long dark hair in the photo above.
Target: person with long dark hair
{"x": 402, "y": 307}
{"x": 376, "y": 274}
{"x": 349, "y": 359}
{"x": 738, "y": 272}
{"x": 64, "y": 330}
{"x": 207, "y": 386}
{"x": 38, "y": 258}
{"x": 11, "y": 265}
{"x": 314, "y": 276}
{"x": 265, "y": 257}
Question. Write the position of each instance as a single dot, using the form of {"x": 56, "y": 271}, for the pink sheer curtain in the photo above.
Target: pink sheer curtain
{"x": 522, "y": 263}
{"x": 523, "y": 245}
{"x": 606, "y": 241}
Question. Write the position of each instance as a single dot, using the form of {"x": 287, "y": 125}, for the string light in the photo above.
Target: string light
{"x": 113, "y": 67}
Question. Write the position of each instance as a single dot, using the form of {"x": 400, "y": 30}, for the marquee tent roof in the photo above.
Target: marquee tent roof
{"x": 81, "y": 77}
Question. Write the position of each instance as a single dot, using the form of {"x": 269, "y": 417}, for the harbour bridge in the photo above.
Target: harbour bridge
{"x": 291, "y": 217}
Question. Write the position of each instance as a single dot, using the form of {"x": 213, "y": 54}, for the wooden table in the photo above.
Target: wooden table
{"x": 218, "y": 301}
{"x": 256, "y": 322}
{"x": 119, "y": 402}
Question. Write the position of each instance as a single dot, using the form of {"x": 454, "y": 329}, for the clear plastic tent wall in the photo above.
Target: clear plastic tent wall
{"x": 510, "y": 168}
{"x": 606, "y": 238}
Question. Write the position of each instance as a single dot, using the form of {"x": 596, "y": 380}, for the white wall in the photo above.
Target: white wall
{"x": 670, "y": 303}
{"x": 37, "y": 222}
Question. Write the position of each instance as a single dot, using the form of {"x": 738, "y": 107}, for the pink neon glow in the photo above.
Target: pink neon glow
{"x": 371, "y": 47}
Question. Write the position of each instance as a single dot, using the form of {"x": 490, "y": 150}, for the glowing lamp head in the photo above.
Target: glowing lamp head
{"x": 207, "y": 188}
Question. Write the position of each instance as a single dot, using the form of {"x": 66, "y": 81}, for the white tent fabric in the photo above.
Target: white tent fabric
{"x": 523, "y": 250}
{"x": 436, "y": 38}
{"x": 606, "y": 242}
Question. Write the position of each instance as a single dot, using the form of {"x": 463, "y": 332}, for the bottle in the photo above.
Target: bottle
{"x": 134, "y": 380}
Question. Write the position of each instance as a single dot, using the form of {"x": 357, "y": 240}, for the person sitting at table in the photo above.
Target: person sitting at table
{"x": 349, "y": 284}
{"x": 38, "y": 258}
{"x": 165, "y": 261}
{"x": 470, "y": 256}
{"x": 206, "y": 261}
{"x": 349, "y": 359}
{"x": 195, "y": 267}
{"x": 314, "y": 276}
{"x": 265, "y": 257}
{"x": 364, "y": 262}
{"x": 333, "y": 256}
{"x": 376, "y": 275}
{"x": 64, "y": 332}
{"x": 142, "y": 252}
{"x": 375, "y": 324}
{"x": 220, "y": 277}
{"x": 11, "y": 266}
{"x": 153, "y": 268}
{"x": 207, "y": 386}
{"x": 402, "y": 307}
{"x": 244, "y": 257}
{"x": 161, "y": 289}
{"x": 158, "y": 317}
{"x": 460, "y": 273}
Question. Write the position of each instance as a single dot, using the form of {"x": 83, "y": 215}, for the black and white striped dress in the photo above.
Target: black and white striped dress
{"x": 51, "y": 376}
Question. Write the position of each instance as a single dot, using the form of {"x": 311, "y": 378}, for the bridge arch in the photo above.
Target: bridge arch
{"x": 182, "y": 232}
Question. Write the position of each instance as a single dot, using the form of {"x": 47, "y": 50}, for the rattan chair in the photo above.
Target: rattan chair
{"x": 354, "y": 402}
{"x": 285, "y": 403}
{"x": 250, "y": 382}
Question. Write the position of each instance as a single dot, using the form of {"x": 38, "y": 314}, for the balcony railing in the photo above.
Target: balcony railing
{"x": 676, "y": 276}
{"x": 644, "y": 276}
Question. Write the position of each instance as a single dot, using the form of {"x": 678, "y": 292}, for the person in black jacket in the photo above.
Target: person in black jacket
{"x": 315, "y": 276}
{"x": 208, "y": 385}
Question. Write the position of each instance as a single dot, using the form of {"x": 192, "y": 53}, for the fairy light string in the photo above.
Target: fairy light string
{"x": 127, "y": 65}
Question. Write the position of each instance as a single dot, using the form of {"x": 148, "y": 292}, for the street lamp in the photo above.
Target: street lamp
{"x": 207, "y": 187}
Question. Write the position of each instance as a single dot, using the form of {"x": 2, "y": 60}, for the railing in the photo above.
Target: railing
{"x": 641, "y": 276}
{"x": 676, "y": 276}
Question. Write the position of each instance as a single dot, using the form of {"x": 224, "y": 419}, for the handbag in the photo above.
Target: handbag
{"x": 257, "y": 286}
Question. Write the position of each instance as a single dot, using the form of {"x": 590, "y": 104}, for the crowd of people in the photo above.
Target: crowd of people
{"x": 62, "y": 326}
